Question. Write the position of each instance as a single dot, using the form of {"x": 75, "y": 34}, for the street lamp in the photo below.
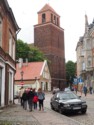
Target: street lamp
{"x": 22, "y": 77}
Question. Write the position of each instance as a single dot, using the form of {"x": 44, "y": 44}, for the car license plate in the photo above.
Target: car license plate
{"x": 76, "y": 108}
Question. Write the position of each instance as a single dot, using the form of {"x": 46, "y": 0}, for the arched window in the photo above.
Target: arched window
{"x": 89, "y": 61}
{"x": 43, "y": 18}
{"x": 0, "y": 31}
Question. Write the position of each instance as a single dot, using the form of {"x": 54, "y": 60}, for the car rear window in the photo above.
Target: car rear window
{"x": 66, "y": 96}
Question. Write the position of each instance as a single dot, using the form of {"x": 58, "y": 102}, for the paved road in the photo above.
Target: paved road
{"x": 86, "y": 119}
{"x": 17, "y": 116}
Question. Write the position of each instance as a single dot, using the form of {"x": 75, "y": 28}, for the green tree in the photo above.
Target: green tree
{"x": 70, "y": 71}
{"x": 36, "y": 55}
{"x": 24, "y": 50}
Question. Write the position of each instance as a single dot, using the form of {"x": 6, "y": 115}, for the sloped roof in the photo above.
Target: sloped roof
{"x": 46, "y": 8}
{"x": 32, "y": 70}
{"x": 10, "y": 12}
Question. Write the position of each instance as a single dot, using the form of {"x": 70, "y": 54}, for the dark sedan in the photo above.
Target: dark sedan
{"x": 67, "y": 101}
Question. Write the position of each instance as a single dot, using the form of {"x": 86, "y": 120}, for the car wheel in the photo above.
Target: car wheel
{"x": 60, "y": 110}
{"x": 83, "y": 111}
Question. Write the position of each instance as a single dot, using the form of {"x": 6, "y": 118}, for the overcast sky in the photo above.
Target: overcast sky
{"x": 72, "y": 13}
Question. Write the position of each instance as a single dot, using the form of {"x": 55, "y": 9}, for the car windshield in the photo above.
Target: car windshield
{"x": 67, "y": 96}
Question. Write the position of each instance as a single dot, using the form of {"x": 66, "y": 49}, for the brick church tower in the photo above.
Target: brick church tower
{"x": 49, "y": 38}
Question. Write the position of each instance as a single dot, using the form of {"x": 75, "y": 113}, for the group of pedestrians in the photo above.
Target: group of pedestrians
{"x": 84, "y": 89}
{"x": 32, "y": 99}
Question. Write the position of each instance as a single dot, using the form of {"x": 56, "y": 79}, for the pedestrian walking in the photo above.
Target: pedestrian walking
{"x": 90, "y": 89}
{"x": 85, "y": 90}
{"x": 24, "y": 98}
{"x": 35, "y": 99}
{"x": 30, "y": 99}
{"x": 21, "y": 91}
{"x": 41, "y": 97}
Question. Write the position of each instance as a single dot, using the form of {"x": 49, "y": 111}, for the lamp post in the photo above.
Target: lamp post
{"x": 22, "y": 77}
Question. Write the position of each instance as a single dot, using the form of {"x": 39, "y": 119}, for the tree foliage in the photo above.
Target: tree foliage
{"x": 23, "y": 50}
{"x": 70, "y": 71}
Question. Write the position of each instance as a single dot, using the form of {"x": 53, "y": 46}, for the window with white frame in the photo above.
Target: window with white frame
{"x": 14, "y": 49}
{"x": 11, "y": 46}
{"x": 0, "y": 31}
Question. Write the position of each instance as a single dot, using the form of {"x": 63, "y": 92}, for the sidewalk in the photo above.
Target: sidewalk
{"x": 18, "y": 116}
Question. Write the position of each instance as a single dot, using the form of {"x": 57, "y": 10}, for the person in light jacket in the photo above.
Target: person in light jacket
{"x": 41, "y": 97}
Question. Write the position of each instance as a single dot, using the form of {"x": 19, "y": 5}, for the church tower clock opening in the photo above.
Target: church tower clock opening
{"x": 49, "y": 38}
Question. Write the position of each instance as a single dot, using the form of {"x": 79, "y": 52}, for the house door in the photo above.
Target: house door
{"x": 0, "y": 83}
{"x": 10, "y": 87}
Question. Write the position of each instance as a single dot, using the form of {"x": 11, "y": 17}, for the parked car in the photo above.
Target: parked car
{"x": 68, "y": 101}
{"x": 67, "y": 89}
{"x": 55, "y": 90}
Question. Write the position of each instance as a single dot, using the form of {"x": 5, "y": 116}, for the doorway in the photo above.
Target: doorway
{"x": 0, "y": 83}
{"x": 10, "y": 87}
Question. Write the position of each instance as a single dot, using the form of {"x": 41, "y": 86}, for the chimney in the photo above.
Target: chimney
{"x": 20, "y": 63}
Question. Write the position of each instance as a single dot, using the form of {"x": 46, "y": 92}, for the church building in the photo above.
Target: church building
{"x": 49, "y": 38}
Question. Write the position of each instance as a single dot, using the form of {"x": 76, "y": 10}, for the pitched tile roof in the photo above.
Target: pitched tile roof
{"x": 32, "y": 70}
{"x": 46, "y": 8}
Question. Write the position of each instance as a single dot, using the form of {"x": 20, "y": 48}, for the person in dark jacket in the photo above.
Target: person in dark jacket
{"x": 85, "y": 90}
{"x": 30, "y": 99}
{"x": 24, "y": 98}
{"x": 90, "y": 89}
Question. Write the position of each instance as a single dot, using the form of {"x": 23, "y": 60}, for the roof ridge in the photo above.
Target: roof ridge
{"x": 47, "y": 7}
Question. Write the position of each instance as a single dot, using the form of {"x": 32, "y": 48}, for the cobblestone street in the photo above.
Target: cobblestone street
{"x": 17, "y": 116}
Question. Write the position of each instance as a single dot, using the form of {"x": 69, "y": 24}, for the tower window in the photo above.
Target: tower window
{"x": 52, "y": 18}
{"x": 43, "y": 18}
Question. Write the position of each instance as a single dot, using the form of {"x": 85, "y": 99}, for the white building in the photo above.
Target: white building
{"x": 35, "y": 75}
{"x": 85, "y": 54}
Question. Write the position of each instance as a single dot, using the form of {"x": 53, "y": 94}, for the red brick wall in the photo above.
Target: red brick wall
{"x": 50, "y": 39}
